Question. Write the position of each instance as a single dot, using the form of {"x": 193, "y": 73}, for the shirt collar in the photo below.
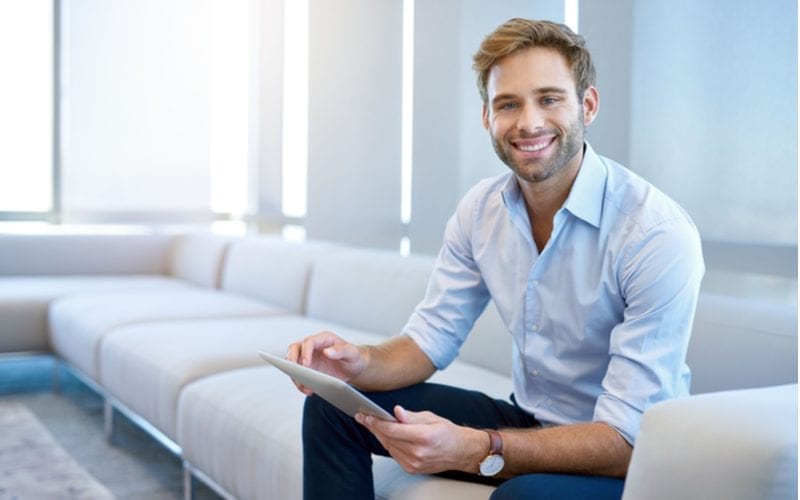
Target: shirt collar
{"x": 585, "y": 199}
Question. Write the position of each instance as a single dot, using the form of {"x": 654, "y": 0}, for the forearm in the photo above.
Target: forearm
{"x": 589, "y": 449}
{"x": 394, "y": 364}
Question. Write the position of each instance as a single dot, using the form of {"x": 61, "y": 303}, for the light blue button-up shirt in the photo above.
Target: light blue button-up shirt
{"x": 600, "y": 318}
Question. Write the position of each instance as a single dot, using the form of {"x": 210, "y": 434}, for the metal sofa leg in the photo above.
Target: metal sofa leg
{"x": 188, "y": 491}
{"x": 108, "y": 419}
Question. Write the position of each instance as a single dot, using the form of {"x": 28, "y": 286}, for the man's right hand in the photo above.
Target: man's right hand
{"x": 328, "y": 353}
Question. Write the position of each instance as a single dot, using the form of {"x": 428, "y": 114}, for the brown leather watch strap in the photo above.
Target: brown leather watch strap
{"x": 497, "y": 442}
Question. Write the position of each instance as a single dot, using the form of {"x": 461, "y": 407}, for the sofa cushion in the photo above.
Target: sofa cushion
{"x": 199, "y": 258}
{"x": 163, "y": 357}
{"x": 242, "y": 428}
{"x": 77, "y": 254}
{"x": 24, "y": 301}
{"x": 742, "y": 343}
{"x": 78, "y": 323}
{"x": 271, "y": 269}
{"x": 370, "y": 290}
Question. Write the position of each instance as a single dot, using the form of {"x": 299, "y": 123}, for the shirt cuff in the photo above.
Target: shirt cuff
{"x": 623, "y": 417}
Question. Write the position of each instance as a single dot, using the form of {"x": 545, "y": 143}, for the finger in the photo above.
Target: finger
{"x": 293, "y": 352}
{"x": 314, "y": 343}
{"x": 383, "y": 429}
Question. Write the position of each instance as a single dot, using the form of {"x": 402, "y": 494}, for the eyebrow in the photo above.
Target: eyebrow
{"x": 551, "y": 90}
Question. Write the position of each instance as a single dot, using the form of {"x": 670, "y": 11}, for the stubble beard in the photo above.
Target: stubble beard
{"x": 539, "y": 170}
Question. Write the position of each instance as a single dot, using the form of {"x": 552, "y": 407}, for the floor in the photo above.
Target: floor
{"x": 133, "y": 465}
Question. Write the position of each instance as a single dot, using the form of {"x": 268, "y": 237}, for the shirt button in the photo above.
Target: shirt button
{"x": 535, "y": 328}
{"x": 549, "y": 402}
{"x": 535, "y": 373}
{"x": 535, "y": 283}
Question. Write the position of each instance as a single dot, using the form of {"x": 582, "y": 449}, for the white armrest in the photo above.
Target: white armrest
{"x": 734, "y": 445}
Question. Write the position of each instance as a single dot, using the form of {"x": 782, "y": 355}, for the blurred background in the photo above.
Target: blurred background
{"x": 359, "y": 120}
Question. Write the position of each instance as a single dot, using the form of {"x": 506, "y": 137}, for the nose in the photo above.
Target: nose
{"x": 530, "y": 119}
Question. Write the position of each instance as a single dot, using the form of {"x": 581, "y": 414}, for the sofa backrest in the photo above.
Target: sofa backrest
{"x": 72, "y": 254}
{"x": 271, "y": 269}
{"x": 371, "y": 290}
{"x": 199, "y": 258}
{"x": 742, "y": 343}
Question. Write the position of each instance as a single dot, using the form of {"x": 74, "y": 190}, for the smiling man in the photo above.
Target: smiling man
{"x": 595, "y": 274}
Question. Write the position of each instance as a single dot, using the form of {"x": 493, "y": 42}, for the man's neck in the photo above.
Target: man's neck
{"x": 543, "y": 199}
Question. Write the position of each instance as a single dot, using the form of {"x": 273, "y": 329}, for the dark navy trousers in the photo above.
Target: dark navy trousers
{"x": 337, "y": 451}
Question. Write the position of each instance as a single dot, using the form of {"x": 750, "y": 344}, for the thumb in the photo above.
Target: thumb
{"x": 414, "y": 417}
{"x": 342, "y": 352}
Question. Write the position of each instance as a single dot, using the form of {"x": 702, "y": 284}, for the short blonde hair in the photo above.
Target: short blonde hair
{"x": 518, "y": 34}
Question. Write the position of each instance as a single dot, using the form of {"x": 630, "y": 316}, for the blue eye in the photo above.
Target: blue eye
{"x": 509, "y": 105}
{"x": 549, "y": 100}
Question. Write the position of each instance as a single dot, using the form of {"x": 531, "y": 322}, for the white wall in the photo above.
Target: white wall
{"x": 714, "y": 112}
{"x": 607, "y": 27}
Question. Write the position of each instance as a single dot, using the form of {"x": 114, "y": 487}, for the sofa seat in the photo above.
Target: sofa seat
{"x": 195, "y": 349}
{"x": 24, "y": 301}
{"x": 79, "y": 323}
{"x": 242, "y": 428}
{"x": 236, "y": 412}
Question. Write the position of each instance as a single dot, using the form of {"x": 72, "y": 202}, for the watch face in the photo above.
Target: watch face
{"x": 491, "y": 465}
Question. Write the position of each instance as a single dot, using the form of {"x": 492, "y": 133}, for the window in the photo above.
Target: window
{"x": 26, "y": 98}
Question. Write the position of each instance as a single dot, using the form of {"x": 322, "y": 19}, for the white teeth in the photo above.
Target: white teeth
{"x": 534, "y": 147}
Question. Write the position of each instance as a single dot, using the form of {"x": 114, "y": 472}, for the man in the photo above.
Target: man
{"x": 594, "y": 272}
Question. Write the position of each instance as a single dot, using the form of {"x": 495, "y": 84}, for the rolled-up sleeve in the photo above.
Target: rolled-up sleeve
{"x": 456, "y": 293}
{"x": 660, "y": 281}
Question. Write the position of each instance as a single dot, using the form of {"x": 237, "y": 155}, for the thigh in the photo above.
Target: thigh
{"x": 559, "y": 487}
{"x": 462, "y": 407}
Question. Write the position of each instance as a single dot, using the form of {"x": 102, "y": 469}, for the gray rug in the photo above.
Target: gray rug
{"x": 34, "y": 466}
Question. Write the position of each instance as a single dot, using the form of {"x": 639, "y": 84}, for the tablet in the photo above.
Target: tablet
{"x": 337, "y": 392}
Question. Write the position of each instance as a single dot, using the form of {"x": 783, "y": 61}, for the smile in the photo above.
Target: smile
{"x": 532, "y": 146}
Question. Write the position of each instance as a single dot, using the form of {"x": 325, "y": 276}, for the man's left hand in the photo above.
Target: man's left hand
{"x": 425, "y": 443}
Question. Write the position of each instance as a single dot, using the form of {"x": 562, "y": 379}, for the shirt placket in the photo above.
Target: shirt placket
{"x": 534, "y": 314}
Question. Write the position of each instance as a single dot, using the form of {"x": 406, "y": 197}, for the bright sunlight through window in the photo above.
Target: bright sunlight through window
{"x": 230, "y": 102}
{"x": 295, "y": 109}
{"x": 26, "y": 101}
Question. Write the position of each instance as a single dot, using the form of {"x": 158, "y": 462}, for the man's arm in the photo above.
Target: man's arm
{"x": 590, "y": 449}
{"x": 394, "y": 364}
{"x": 425, "y": 443}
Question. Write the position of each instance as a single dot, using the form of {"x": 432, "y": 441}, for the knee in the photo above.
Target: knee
{"x": 320, "y": 418}
{"x": 316, "y": 411}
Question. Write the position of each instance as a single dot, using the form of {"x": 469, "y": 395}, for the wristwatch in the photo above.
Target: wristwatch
{"x": 494, "y": 462}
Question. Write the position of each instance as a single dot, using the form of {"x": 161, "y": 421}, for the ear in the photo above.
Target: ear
{"x": 591, "y": 105}
{"x": 485, "y": 116}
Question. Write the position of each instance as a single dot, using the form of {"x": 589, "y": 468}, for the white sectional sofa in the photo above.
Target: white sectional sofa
{"x": 167, "y": 329}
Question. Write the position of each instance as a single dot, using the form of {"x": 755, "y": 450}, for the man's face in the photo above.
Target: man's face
{"x": 533, "y": 113}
